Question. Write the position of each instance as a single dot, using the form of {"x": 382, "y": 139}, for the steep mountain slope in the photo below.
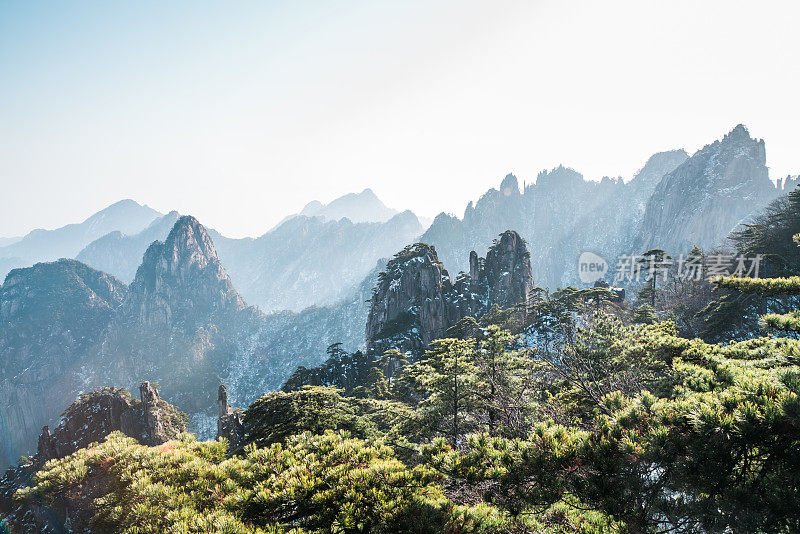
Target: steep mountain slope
{"x": 705, "y": 198}
{"x": 51, "y": 316}
{"x": 125, "y": 216}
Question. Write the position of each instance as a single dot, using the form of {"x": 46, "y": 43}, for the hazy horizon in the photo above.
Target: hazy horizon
{"x": 240, "y": 115}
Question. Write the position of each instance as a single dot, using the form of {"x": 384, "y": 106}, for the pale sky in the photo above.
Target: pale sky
{"x": 241, "y": 112}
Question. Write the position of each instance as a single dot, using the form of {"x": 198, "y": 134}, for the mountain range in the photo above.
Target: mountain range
{"x": 67, "y": 328}
{"x": 159, "y": 297}
{"x": 674, "y": 202}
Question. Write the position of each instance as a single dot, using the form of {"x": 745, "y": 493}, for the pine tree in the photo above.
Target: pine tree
{"x": 448, "y": 375}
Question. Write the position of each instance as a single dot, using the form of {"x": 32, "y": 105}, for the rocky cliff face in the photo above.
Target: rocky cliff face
{"x": 415, "y": 301}
{"x": 411, "y": 305}
{"x": 506, "y": 272}
{"x": 707, "y": 196}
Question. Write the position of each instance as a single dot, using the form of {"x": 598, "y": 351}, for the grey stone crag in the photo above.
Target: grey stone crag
{"x": 149, "y": 420}
{"x": 229, "y": 421}
{"x": 415, "y": 302}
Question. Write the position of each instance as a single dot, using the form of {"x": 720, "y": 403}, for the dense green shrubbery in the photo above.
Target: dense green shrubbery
{"x": 632, "y": 428}
{"x": 323, "y": 483}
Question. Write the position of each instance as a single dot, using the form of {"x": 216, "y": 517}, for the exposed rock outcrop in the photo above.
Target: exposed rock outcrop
{"x": 416, "y": 302}
{"x": 412, "y": 303}
{"x": 507, "y": 272}
{"x": 229, "y": 421}
{"x": 149, "y": 420}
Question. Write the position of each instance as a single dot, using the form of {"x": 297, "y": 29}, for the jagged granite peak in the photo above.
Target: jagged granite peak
{"x": 507, "y": 272}
{"x": 415, "y": 302}
{"x": 409, "y": 307}
{"x": 708, "y": 195}
{"x": 509, "y": 186}
{"x": 182, "y": 274}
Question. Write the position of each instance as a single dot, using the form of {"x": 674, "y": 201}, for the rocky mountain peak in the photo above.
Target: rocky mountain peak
{"x": 189, "y": 243}
{"x": 408, "y": 307}
{"x": 739, "y": 132}
{"x": 182, "y": 274}
{"x": 708, "y": 195}
{"x": 415, "y": 301}
{"x": 507, "y": 271}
